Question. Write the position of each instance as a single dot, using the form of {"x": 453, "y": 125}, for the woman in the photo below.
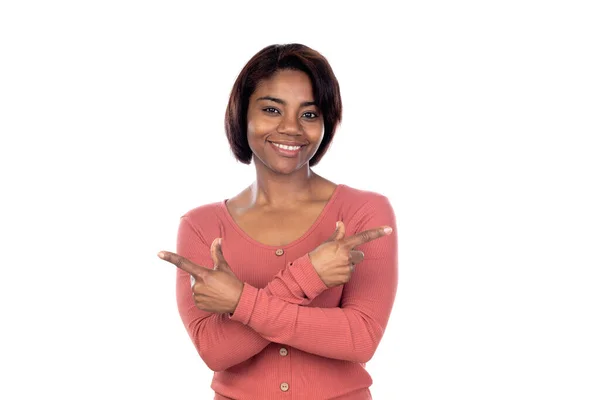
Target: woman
{"x": 268, "y": 286}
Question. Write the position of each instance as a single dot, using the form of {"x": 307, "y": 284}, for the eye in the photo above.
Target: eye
{"x": 312, "y": 115}
{"x": 270, "y": 110}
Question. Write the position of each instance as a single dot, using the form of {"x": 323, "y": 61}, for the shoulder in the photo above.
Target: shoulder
{"x": 357, "y": 198}
{"x": 205, "y": 211}
{"x": 205, "y": 217}
{"x": 361, "y": 205}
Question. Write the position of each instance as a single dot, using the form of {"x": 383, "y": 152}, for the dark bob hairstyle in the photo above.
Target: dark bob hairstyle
{"x": 263, "y": 65}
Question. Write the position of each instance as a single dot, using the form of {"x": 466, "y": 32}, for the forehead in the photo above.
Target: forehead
{"x": 290, "y": 84}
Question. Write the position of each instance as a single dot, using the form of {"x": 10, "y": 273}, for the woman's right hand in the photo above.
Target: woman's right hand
{"x": 335, "y": 258}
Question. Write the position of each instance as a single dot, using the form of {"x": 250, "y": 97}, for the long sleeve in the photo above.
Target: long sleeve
{"x": 220, "y": 342}
{"x": 352, "y": 331}
{"x": 210, "y": 333}
{"x": 298, "y": 283}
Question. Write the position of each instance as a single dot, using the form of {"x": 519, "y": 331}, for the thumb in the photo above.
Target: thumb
{"x": 217, "y": 255}
{"x": 340, "y": 231}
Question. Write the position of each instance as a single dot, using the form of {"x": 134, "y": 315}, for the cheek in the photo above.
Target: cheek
{"x": 257, "y": 126}
{"x": 250, "y": 129}
{"x": 316, "y": 133}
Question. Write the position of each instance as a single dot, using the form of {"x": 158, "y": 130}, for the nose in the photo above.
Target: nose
{"x": 289, "y": 125}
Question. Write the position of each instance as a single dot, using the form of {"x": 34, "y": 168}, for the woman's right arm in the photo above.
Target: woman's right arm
{"x": 220, "y": 341}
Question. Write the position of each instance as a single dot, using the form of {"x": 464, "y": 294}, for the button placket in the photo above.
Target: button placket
{"x": 283, "y": 352}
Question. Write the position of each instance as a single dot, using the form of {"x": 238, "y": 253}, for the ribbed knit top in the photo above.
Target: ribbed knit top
{"x": 290, "y": 336}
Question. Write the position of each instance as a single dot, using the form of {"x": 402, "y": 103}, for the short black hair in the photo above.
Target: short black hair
{"x": 263, "y": 65}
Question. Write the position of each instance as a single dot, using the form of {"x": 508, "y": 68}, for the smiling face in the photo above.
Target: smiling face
{"x": 285, "y": 127}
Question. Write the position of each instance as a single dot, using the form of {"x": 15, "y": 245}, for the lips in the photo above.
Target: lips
{"x": 287, "y": 143}
{"x": 286, "y": 152}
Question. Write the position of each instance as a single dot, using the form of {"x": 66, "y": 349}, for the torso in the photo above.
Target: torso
{"x": 278, "y": 227}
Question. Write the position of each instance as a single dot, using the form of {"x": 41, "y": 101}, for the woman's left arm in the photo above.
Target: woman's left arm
{"x": 350, "y": 332}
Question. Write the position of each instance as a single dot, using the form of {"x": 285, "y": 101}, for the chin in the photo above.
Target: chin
{"x": 283, "y": 166}
{"x": 286, "y": 168}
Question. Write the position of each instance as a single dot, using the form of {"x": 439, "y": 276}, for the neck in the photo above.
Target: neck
{"x": 278, "y": 190}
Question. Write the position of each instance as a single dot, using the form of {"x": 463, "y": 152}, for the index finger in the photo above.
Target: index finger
{"x": 366, "y": 236}
{"x": 183, "y": 263}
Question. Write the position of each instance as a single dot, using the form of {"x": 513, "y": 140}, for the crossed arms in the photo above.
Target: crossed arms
{"x": 280, "y": 312}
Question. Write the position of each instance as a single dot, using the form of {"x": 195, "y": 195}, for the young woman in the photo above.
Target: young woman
{"x": 286, "y": 288}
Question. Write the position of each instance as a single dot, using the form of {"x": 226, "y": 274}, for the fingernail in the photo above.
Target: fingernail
{"x": 337, "y": 224}
{"x": 161, "y": 254}
{"x": 220, "y": 241}
{"x": 387, "y": 230}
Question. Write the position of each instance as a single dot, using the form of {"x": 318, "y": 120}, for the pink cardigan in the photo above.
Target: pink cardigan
{"x": 290, "y": 336}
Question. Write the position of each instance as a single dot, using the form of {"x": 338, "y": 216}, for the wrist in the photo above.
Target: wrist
{"x": 307, "y": 276}
{"x": 240, "y": 289}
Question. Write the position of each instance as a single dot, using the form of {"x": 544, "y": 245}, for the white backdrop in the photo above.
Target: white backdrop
{"x": 479, "y": 120}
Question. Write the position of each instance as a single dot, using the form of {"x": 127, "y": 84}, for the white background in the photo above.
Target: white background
{"x": 479, "y": 120}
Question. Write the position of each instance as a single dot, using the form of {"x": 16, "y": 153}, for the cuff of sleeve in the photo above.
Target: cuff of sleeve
{"x": 305, "y": 274}
{"x": 243, "y": 311}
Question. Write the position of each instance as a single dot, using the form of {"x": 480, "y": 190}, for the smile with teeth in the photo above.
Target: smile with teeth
{"x": 285, "y": 147}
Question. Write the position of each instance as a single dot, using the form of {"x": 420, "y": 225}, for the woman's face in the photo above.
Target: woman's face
{"x": 281, "y": 112}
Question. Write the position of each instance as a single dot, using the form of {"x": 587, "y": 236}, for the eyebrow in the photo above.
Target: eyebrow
{"x": 276, "y": 100}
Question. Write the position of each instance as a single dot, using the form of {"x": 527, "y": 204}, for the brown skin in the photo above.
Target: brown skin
{"x": 219, "y": 290}
{"x": 215, "y": 290}
{"x": 293, "y": 122}
{"x": 285, "y": 186}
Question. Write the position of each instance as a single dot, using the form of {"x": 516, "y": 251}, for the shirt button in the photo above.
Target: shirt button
{"x": 279, "y": 252}
{"x": 283, "y": 351}
{"x": 284, "y": 387}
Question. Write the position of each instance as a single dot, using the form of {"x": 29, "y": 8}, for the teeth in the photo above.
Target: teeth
{"x": 283, "y": 146}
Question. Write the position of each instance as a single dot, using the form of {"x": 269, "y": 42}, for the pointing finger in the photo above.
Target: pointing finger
{"x": 183, "y": 263}
{"x": 366, "y": 236}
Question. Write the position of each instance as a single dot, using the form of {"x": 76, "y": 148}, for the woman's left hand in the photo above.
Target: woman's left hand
{"x": 215, "y": 290}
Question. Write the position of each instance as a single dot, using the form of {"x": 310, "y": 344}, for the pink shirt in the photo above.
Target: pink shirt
{"x": 290, "y": 336}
